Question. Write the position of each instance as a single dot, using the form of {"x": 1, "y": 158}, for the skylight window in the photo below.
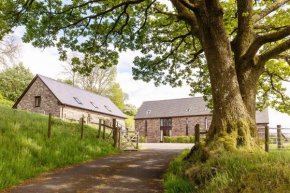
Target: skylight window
{"x": 188, "y": 109}
{"x": 148, "y": 112}
{"x": 107, "y": 108}
{"x": 94, "y": 105}
{"x": 78, "y": 101}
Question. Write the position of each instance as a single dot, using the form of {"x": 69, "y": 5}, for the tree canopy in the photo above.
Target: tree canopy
{"x": 225, "y": 49}
{"x": 170, "y": 44}
{"x": 14, "y": 80}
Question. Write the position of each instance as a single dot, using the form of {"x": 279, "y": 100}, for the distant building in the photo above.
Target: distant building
{"x": 177, "y": 117}
{"x": 44, "y": 95}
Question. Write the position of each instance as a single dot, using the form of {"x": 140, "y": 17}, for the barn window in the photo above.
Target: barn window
{"x": 148, "y": 112}
{"x": 37, "y": 101}
{"x": 107, "y": 108}
{"x": 94, "y": 105}
{"x": 166, "y": 122}
{"x": 78, "y": 101}
{"x": 188, "y": 109}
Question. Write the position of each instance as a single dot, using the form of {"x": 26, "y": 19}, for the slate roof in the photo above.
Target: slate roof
{"x": 178, "y": 108}
{"x": 65, "y": 94}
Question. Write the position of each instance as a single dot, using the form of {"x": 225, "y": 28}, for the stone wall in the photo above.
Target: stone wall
{"x": 90, "y": 117}
{"x": 179, "y": 124}
{"x": 178, "y": 127}
{"x": 153, "y": 129}
{"x": 49, "y": 103}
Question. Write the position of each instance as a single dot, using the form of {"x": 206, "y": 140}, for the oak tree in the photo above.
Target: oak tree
{"x": 231, "y": 50}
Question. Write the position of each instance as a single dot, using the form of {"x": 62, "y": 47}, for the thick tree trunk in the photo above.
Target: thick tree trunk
{"x": 231, "y": 124}
{"x": 248, "y": 78}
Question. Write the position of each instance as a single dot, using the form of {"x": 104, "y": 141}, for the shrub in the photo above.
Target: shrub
{"x": 142, "y": 140}
{"x": 4, "y": 102}
{"x": 179, "y": 139}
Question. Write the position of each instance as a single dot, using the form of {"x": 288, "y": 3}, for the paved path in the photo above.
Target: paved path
{"x": 131, "y": 172}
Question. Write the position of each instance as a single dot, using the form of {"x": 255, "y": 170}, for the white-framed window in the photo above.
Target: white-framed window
{"x": 188, "y": 109}
{"x": 148, "y": 112}
{"x": 78, "y": 100}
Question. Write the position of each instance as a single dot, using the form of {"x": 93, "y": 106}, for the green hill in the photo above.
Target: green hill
{"x": 25, "y": 150}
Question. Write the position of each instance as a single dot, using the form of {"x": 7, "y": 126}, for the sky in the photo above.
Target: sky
{"x": 46, "y": 62}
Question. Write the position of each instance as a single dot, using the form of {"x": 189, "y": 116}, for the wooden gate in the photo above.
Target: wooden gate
{"x": 128, "y": 140}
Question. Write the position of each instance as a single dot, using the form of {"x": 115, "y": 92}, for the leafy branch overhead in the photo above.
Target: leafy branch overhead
{"x": 169, "y": 35}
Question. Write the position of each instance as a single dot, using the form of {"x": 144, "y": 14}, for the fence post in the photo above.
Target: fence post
{"x": 100, "y": 126}
{"x": 267, "y": 138}
{"x": 49, "y": 126}
{"x": 82, "y": 130}
{"x": 137, "y": 140}
{"x": 119, "y": 140}
{"x": 104, "y": 129}
{"x": 197, "y": 134}
{"x": 115, "y": 133}
{"x": 279, "y": 137}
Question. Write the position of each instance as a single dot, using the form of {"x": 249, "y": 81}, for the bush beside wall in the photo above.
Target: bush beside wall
{"x": 179, "y": 139}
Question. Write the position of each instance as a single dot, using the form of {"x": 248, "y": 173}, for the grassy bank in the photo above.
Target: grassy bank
{"x": 231, "y": 172}
{"x": 26, "y": 152}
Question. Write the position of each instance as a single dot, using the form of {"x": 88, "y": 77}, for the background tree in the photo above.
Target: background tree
{"x": 116, "y": 95}
{"x": 9, "y": 51}
{"x": 224, "y": 45}
{"x": 70, "y": 71}
{"x": 99, "y": 81}
{"x": 14, "y": 80}
{"x": 130, "y": 109}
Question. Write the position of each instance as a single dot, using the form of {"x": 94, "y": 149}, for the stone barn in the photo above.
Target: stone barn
{"x": 177, "y": 117}
{"x": 44, "y": 95}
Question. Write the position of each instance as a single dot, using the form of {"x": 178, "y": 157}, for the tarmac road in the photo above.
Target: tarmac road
{"x": 139, "y": 171}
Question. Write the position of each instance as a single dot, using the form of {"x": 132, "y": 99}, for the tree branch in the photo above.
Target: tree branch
{"x": 195, "y": 55}
{"x": 277, "y": 90}
{"x": 274, "y": 52}
{"x": 261, "y": 40}
{"x": 126, "y": 3}
{"x": 268, "y": 10}
{"x": 284, "y": 57}
{"x": 146, "y": 15}
{"x": 190, "y": 5}
{"x": 177, "y": 37}
{"x": 185, "y": 15}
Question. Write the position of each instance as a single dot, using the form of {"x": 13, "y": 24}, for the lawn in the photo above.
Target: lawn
{"x": 231, "y": 172}
{"x": 25, "y": 150}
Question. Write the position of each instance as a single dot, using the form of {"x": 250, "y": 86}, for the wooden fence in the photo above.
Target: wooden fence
{"x": 120, "y": 134}
{"x": 276, "y": 138}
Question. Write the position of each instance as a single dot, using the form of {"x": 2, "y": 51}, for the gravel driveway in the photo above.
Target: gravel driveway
{"x": 139, "y": 171}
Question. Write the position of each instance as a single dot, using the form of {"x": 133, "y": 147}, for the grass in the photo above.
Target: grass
{"x": 25, "y": 150}
{"x": 231, "y": 172}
